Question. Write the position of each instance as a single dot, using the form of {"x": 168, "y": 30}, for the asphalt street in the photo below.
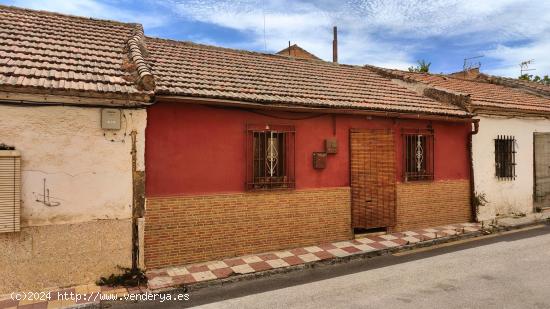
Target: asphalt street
{"x": 504, "y": 271}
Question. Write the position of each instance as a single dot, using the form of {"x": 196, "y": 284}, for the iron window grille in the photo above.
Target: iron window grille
{"x": 270, "y": 157}
{"x": 418, "y": 155}
{"x": 505, "y": 157}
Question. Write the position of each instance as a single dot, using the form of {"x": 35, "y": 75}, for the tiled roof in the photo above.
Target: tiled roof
{"x": 193, "y": 70}
{"x": 534, "y": 87}
{"x": 43, "y": 52}
{"x": 484, "y": 95}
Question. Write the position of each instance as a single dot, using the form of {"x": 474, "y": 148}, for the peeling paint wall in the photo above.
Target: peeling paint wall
{"x": 77, "y": 194}
{"x": 505, "y": 196}
{"x": 86, "y": 170}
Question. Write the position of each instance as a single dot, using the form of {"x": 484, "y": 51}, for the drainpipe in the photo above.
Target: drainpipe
{"x": 135, "y": 239}
{"x": 471, "y": 159}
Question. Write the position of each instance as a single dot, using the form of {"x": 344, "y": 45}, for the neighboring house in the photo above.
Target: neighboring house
{"x": 524, "y": 85}
{"x": 511, "y": 153}
{"x": 297, "y": 52}
{"x": 71, "y": 220}
{"x": 249, "y": 152}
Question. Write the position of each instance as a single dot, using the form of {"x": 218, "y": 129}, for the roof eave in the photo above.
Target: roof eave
{"x": 467, "y": 117}
{"x": 45, "y": 99}
{"x": 509, "y": 112}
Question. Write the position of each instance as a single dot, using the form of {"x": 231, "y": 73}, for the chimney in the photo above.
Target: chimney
{"x": 289, "y": 48}
{"x": 335, "y": 46}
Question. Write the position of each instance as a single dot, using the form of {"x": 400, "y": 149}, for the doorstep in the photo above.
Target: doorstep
{"x": 286, "y": 260}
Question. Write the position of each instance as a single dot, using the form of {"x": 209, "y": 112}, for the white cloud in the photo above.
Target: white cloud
{"x": 96, "y": 9}
{"x": 513, "y": 56}
{"x": 362, "y": 23}
{"x": 307, "y": 24}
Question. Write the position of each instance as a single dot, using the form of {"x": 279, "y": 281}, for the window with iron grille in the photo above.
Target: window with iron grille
{"x": 418, "y": 155}
{"x": 505, "y": 157}
{"x": 270, "y": 157}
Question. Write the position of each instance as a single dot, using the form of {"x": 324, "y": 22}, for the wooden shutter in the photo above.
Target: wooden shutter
{"x": 372, "y": 178}
{"x": 10, "y": 191}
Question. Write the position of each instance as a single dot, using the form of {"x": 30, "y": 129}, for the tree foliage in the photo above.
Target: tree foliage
{"x": 422, "y": 66}
{"x": 535, "y": 78}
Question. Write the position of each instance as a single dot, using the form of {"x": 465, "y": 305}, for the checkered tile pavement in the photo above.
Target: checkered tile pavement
{"x": 187, "y": 274}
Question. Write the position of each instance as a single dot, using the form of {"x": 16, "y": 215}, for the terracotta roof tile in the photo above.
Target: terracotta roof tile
{"x": 43, "y": 52}
{"x": 188, "y": 69}
{"x": 483, "y": 94}
{"x": 529, "y": 86}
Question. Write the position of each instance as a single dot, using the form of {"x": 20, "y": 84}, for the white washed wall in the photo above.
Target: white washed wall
{"x": 505, "y": 196}
{"x": 87, "y": 174}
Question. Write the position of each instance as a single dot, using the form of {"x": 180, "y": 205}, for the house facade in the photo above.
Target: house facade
{"x": 72, "y": 124}
{"x": 161, "y": 152}
{"x": 248, "y": 152}
{"x": 510, "y": 152}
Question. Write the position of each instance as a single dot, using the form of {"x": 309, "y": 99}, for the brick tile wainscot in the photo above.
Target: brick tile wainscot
{"x": 190, "y": 229}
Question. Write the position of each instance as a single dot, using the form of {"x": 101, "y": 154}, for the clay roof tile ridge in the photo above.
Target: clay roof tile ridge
{"x": 136, "y": 48}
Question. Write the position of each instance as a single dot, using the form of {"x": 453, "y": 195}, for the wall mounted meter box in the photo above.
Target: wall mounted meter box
{"x": 319, "y": 160}
{"x": 110, "y": 119}
{"x": 331, "y": 145}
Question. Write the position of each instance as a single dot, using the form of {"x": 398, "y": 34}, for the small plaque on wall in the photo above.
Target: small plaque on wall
{"x": 319, "y": 160}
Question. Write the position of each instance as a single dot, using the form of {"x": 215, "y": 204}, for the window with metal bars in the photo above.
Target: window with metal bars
{"x": 505, "y": 157}
{"x": 418, "y": 155}
{"x": 270, "y": 157}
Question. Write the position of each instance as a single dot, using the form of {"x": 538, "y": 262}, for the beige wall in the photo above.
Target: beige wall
{"x": 88, "y": 172}
{"x": 89, "y": 175}
{"x": 48, "y": 256}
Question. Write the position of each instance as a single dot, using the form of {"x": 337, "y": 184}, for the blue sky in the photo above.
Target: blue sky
{"x": 386, "y": 33}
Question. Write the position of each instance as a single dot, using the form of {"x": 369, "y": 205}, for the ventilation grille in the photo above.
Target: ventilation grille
{"x": 10, "y": 191}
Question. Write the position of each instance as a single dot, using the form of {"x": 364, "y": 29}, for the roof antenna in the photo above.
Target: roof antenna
{"x": 263, "y": 12}
{"x": 469, "y": 64}
{"x": 524, "y": 66}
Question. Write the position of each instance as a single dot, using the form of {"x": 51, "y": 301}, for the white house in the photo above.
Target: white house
{"x": 72, "y": 98}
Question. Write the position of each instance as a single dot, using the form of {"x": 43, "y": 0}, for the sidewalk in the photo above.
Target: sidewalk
{"x": 238, "y": 268}
{"x": 255, "y": 264}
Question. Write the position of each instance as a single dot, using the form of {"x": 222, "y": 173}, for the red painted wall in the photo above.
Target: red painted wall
{"x": 194, "y": 149}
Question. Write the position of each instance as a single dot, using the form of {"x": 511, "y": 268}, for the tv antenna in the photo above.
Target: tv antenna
{"x": 263, "y": 13}
{"x": 470, "y": 63}
{"x": 524, "y": 66}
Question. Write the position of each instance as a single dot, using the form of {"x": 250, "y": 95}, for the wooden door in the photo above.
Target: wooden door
{"x": 542, "y": 170}
{"x": 372, "y": 178}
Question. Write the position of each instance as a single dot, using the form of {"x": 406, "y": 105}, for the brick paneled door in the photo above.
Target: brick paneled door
{"x": 372, "y": 178}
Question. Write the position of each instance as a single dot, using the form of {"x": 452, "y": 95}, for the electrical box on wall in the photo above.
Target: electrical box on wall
{"x": 319, "y": 160}
{"x": 110, "y": 119}
{"x": 331, "y": 145}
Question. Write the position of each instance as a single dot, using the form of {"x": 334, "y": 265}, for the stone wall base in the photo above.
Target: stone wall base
{"x": 47, "y": 256}
{"x": 432, "y": 203}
